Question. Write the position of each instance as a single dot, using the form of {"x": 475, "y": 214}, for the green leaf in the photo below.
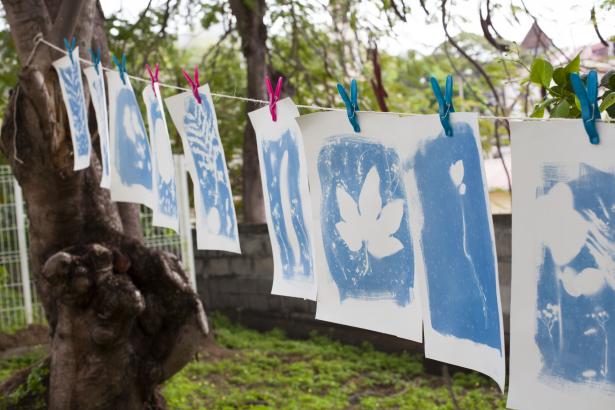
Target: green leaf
{"x": 539, "y": 111}
{"x": 574, "y": 65}
{"x": 560, "y": 76}
{"x": 541, "y": 72}
{"x": 562, "y": 110}
{"x": 607, "y": 101}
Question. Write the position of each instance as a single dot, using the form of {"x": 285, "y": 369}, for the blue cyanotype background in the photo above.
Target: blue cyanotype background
{"x": 456, "y": 239}
{"x": 167, "y": 193}
{"x": 344, "y": 162}
{"x": 132, "y": 154}
{"x": 573, "y": 332}
{"x": 295, "y": 262}
{"x": 98, "y": 93}
{"x": 208, "y": 156}
{"x": 71, "y": 77}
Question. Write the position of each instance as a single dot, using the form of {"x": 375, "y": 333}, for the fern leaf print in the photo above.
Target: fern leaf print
{"x": 69, "y": 74}
{"x": 211, "y": 174}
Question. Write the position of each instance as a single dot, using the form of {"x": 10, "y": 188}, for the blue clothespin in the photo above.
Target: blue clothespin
{"x": 70, "y": 47}
{"x": 95, "y": 58}
{"x": 352, "y": 104}
{"x": 445, "y": 104}
{"x": 588, "y": 98}
{"x": 121, "y": 66}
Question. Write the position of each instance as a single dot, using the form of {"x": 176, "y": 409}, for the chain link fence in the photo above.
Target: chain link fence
{"x": 19, "y": 305}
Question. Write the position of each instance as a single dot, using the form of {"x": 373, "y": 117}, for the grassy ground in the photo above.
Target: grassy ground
{"x": 246, "y": 369}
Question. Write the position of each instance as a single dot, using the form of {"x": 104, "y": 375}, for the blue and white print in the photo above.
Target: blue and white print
{"x": 575, "y": 304}
{"x": 165, "y": 211}
{"x": 365, "y": 254}
{"x": 457, "y": 241}
{"x": 215, "y": 210}
{"x": 131, "y": 166}
{"x": 96, "y": 84}
{"x": 364, "y": 220}
{"x": 69, "y": 73}
{"x": 562, "y": 318}
{"x": 282, "y": 168}
{"x": 287, "y": 200}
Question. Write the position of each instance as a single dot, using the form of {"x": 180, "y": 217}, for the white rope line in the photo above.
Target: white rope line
{"x": 39, "y": 39}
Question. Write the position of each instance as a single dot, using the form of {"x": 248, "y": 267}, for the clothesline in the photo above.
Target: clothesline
{"x": 40, "y": 39}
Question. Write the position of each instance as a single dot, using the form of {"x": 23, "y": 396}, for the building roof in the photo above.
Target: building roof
{"x": 536, "y": 39}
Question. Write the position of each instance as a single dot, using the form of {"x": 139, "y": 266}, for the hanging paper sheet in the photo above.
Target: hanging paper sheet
{"x": 69, "y": 74}
{"x": 364, "y": 253}
{"x": 165, "y": 209}
{"x": 215, "y": 211}
{"x": 287, "y": 199}
{"x": 131, "y": 165}
{"x": 96, "y": 85}
{"x": 452, "y": 226}
{"x": 563, "y": 283}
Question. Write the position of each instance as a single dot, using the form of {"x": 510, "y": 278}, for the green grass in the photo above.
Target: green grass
{"x": 251, "y": 370}
{"x": 247, "y": 369}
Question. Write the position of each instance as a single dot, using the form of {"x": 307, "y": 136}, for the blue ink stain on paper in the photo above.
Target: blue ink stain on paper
{"x": 98, "y": 94}
{"x": 132, "y": 154}
{"x": 576, "y": 286}
{"x": 282, "y": 171}
{"x": 364, "y": 220}
{"x": 71, "y": 77}
{"x": 208, "y": 156}
{"x": 456, "y": 238}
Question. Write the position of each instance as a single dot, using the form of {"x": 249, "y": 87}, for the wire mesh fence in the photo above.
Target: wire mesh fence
{"x": 19, "y": 304}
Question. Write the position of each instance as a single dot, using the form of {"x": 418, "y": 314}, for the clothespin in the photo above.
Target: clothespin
{"x": 121, "y": 66}
{"x": 445, "y": 104}
{"x": 153, "y": 75}
{"x": 588, "y": 98}
{"x": 70, "y": 47}
{"x": 274, "y": 97}
{"x": 95, "y": 58}
{"x": 352, "y": 104}
{"x": 194, "y": 84}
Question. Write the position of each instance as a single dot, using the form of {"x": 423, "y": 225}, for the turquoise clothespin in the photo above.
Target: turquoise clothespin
{"x": 95, "y": 58}
{"x": 121, "y": 66}
{"x": 588, "y": 98}
{"x": 445, "y": 104}
{"x": 70, "y": 47}
{"x": 352, "y": 104}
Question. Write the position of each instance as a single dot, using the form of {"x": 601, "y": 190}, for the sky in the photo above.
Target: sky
{"x": 567, "y": 22}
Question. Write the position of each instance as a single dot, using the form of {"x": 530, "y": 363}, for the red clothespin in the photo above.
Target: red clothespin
{"x": 194, "y": 84}
{"x": 153, "y": 75}
{"x": 274, "y": 97}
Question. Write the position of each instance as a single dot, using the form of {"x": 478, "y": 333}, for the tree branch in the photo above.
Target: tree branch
{"x": 67, "y": 19}
{"x": 595, "y": 24}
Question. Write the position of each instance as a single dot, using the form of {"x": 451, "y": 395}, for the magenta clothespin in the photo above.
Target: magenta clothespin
{"x": 194, "y": 84}
{"x": 153, "y": 75}
{"x": 274, "y": 97}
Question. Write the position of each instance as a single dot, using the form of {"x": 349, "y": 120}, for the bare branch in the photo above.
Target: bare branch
{"x": 595, "y": 23}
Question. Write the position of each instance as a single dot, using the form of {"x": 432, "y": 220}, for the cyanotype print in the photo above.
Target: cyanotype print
{"x": 456, "y": 238}
{"x": 364, "y": 220}
{"x": 282, "y": 176}
{"x": 576, "y": 286}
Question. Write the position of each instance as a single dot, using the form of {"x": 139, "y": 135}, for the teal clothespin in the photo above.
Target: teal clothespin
{"x": 588, "y": 98}
{"x": 352, "y": 104}
{"x": 121, "y": 66}
{"x": 445, "y": 104}
{"x": 70, "y": 46}
{"x": 95, "y": 58}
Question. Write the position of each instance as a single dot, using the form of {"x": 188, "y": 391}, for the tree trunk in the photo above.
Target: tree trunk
{"x": 123, "y": 318}
{"x": 253, "y": 33}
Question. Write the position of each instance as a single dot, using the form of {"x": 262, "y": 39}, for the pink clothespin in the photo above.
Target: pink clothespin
{"x": 274, "y": 97}
{"x": 153, "y": 75}
{"x": 194, "y": 84}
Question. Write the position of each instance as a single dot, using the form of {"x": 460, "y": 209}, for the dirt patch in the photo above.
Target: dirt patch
{"x": 30, "y": 336}
{"x": 211, "y": 351}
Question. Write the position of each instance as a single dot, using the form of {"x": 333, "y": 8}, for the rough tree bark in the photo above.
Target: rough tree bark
{"x": 123, "y": 318}
{"x": 253, "y": 33}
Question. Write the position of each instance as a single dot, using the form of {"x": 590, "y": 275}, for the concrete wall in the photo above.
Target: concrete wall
{"x": 240, "y": 285}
